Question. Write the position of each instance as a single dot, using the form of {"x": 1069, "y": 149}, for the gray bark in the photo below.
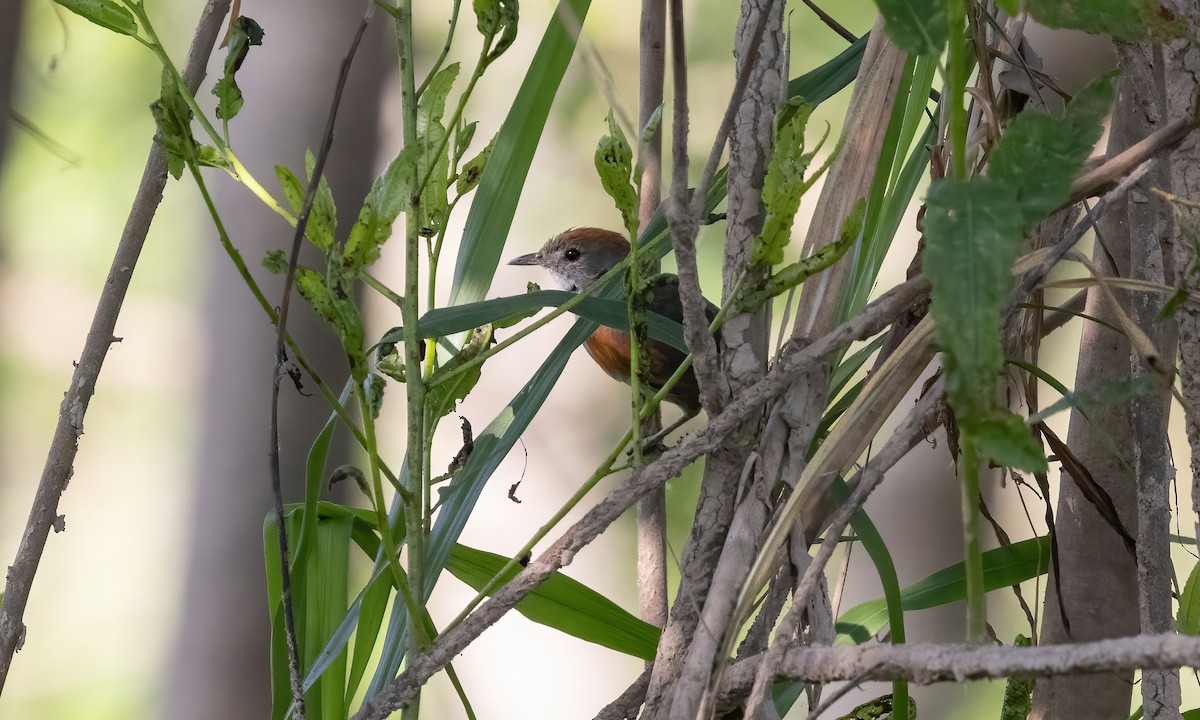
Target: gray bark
{"x": 1097, "y": 575}
{"x": 745, "y": 349}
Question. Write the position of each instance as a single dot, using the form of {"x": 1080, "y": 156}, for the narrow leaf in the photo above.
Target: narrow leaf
{"x": 108, "y": 14}
{"x": 563, "y": 604}
{"x": 1002, "y": 567}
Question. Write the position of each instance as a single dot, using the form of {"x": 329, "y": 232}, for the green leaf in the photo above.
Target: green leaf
{"x": 614, "y": 163}
{"x": 243, "y": 34}
{"x": 443, "y": 397}
{"x": 563, "y": 604}
{"x": 173, "y": 118}
{"x": 1188, "y": 620}
{"x": 916, "y": 26}
{"x": 293, "y": 190}
{"x": 1018, "y": 691}
{"x": 322, "y": 218}
{"x": 472, "y": 170}
{"x": 275, "y": 261}
{"x": 972, "y": 236}
{"x": 388, "y": 196}
{"x": 433, "y": 162}
{"x": 1002, "y": 567}
{"x": 1007, "y": 440}
{"x": 1039, "y": 155}
{"x": 500, "y": 187}
{"x": 783, "y": 187}
{"x": 209, "y": 156}
{"x": 1131, "y": 20}
{"x": 441, "y": 322}
{"x": 108, "y": 14}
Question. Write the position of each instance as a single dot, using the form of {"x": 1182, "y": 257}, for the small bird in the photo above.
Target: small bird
{"x": 580, "y": 256}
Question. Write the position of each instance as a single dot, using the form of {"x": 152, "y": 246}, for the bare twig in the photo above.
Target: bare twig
{"x": 652, "y": 510}
{"x": 1115, "y": 168}
{"x": 280, "y": 370}
{"x": 930, "y": 663}
{"x": 831, "y": 23}
{"x": 873, "y": 319}
{"x": 60, "y": 459}
{"x": 626, "y": 705}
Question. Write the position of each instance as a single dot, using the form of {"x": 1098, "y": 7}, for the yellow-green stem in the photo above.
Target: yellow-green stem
{"x": 956, "y": 84}
{"x": 409, "y": 310}
{"x": 973, "y": 560}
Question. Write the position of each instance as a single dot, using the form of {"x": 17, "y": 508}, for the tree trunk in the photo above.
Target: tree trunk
{"x": 1097, "y": 575}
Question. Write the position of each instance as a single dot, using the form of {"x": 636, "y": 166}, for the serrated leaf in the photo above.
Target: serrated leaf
{"x": 388, "y": 196}
{"x": 1002, "y": 567}
{"x": 443, "y": 397}
{"x": 472, "y": 170}
{"x": 1131, "y": 20}
{"x": 972, "y": 238}
{"x": 783, "y": 187}
{"x": 1188, "y": 620}
{"x": 173, "y": 118}
{"x": 1008, "y": 441}
{"x": 293, "y": 190}
{"x": 614, "y": 163}
{"x": 1039, "y": 156}
{"x": 322, "y": 218}
{"x": 243, "y": 34}
{"x": 374, "y": 386}
{"x": 432, "y": 105}
{"x": 275, "y": 261}
{"x": 432, "y": 169}
{"x": 916, "y": 26}
{"x": 563, "y": 604}
{"x": 108, "y": 14}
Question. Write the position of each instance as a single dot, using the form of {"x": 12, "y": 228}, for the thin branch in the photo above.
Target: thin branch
{"x": 626, "y": 705}
{"x": 1114, "y": 168}
{"x": 280, "y": 370}
{"x": 751, "y": 400}
{"x": 831, "y": 23}
{"x": 652, "y": 510}
{"x": 60, "y": 459}
{"x": 930, "y": 663}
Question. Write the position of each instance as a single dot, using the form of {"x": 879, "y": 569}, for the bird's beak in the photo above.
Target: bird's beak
{"x": 530, "y": 259}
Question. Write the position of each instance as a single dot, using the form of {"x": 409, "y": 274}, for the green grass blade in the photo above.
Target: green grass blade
{"x": 503, "y": 179}
{"x": 1002, "y": 567}
{"x": 604, "y": 311}
{"x": 563, "y": 604}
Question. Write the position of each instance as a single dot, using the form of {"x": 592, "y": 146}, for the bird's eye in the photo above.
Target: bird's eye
{"x": 571, "y": 255}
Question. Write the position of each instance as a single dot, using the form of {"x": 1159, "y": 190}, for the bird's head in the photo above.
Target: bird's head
{"x": 579, "y": 256}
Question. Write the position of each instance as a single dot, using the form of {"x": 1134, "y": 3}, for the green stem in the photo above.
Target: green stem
{"x": 973, "y": 560}
{"x": 956, "y": 86}
{"x": 635, "y": 308}
{"x": 381, "y": 516}
{"x": 410, "y": 313}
